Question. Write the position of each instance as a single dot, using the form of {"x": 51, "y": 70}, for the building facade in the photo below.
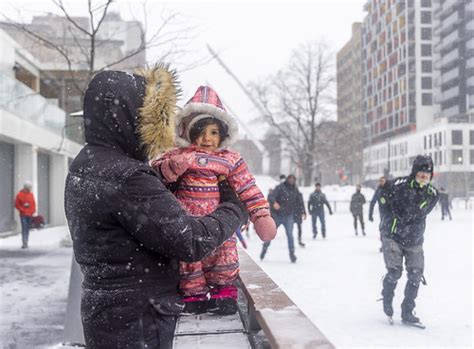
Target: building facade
{"x": 32, "y": 143}
{"x": 417, "y": 100}
{"x": 349, "y": 102}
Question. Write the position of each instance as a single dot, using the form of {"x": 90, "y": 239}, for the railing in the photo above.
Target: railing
{"x": 29, "y": 105}
{"x": 270, "y": 310}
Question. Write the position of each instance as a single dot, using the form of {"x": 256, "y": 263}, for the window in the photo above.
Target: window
{"x": 424, "y": 138}
{"x": 457, "y": 157}
{"x": 425, "y": 3}
{"x": 426, "y": 83}
{"x": 425, "y": 33}
{"x": 440, "y": 139}
{"x": 425, "y": 17}
{"x": 426, "y": 99}
{"x": 471, "y": 155}
{"x": 426, "y": 50}
{"x": 430, "y": 142}
{"x": 471, "y": 137}
{"x": 426, "y": 67}
{"x": 440, "y": 157}
{"x": 456, "y": 137}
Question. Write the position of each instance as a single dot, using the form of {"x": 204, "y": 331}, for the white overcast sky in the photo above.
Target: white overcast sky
{"x": 254, "y": 38}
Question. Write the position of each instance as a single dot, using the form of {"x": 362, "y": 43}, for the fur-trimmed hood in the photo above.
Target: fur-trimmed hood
{"x": 205, "y": 103}
{"x": 132, "y": 113}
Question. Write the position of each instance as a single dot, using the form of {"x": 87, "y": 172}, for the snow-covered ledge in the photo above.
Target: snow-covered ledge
{"x": 269, "y": 309}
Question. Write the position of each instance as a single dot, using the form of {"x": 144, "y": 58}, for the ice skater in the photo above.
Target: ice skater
{"x": 357, "y": 203}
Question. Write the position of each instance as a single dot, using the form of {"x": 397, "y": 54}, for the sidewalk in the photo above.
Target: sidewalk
{"x": 34, "y": 286}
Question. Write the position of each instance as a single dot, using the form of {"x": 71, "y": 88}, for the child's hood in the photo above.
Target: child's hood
{"x": 205, "y": 103}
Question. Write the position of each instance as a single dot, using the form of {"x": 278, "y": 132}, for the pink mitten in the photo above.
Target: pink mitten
{"x": 176, "y": 165}
{"x": 265, "y": 227}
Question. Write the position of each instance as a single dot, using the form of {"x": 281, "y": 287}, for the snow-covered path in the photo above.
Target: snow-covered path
{"x": 337, "y": 281}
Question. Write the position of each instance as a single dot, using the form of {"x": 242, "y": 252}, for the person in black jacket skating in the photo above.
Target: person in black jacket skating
{"x": 316, "y": 203}
{"x": 378, "y": 198}
{"x": 357, "y": 203}
{"x": 409, "y": 200}
{"x": 284, "y": 201}
{"x": 128, "y": 230}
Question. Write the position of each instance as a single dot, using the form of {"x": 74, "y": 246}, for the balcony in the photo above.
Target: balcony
{"x": 29, "y": 105}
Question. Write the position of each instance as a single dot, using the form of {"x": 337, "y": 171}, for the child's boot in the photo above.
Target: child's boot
{"x": 197, "y": 304}
{"x": 223, "y": 300}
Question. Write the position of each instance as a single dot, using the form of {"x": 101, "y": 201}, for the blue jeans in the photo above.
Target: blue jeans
{"x": 314, "y": 217}
{"x": 25, "y": 229}
{"x": 288, "y": 222}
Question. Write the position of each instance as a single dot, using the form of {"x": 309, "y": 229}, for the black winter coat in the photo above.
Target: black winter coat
{"x": 408, "y": 204}
{"x": 357, "y": 203}
{"x": 287, "y": 196}
{"x": 129, "y": 232}
{"x": 316, "y": 203}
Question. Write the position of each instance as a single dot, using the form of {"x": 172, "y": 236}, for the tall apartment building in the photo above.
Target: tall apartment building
{"x": 417, "y": 87}
{"x": 349, "y": 101}
{"x": 454, "y": 63}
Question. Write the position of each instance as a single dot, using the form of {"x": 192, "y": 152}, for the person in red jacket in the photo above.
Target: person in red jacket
{"x": 26, "y": 206}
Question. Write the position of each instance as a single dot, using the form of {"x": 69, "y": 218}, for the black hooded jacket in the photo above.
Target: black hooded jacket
{"x": 288, "y": 197}
{"x": 407, "y": 205}
{"x": 128, "y": 230}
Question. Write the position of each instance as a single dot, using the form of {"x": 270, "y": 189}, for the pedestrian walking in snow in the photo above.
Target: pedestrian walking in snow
{"x": 206, "y": 130}
{"x": 316, "y": 203}
{"x": 26, "y": 206}
{"x": 445, "y": 203}
{"x": 408, "y": 201}
{"x": 378, "y": 198}
{"x": 129, "y": 232}
{"x": 300, "y": 216}
{"x": 357, "y": 210}
{"x": 285, "y": 202}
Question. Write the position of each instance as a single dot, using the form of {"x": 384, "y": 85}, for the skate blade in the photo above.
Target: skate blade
{"x": 390, "y": 320}
{"x": 414, "y": 324}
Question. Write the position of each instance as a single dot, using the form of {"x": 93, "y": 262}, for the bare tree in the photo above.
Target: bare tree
{"x": 74, "y": 49}
{"x": 298, "y": 100}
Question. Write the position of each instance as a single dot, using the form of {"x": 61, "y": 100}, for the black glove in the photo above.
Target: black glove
{"x": 330, "y": 212}
{"x": 371, "y": 218}
{"x": 228, "y": 195}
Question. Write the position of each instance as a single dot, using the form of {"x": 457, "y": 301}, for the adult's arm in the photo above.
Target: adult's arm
{"x": 310, "y": 204}
{"x": 326, "y": 202}
{"x": 153, "y": 216}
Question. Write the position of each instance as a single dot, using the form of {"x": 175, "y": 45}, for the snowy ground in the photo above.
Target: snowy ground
{"x": 33, "y": 291}
{"x": 336, "y": 282}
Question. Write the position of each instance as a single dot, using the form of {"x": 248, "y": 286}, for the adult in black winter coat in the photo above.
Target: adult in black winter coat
{"x": 357, "y": 203}
{"x": 378, "y": 199}
{"x": 409, "y": 200}
{"x": 316, "y": 203}
{"x": 285, "y": 202}
{"x": 129, "y": 232}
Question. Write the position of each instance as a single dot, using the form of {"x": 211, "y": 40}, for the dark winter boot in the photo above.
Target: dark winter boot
{"x": 292, "y": 258}
{"x": 408, "y": 304}
{"x": 223, "y": 300}
{"x": 196, "y": 304}
{"x": 301, "y": 243}
{"x": 388, "y": 292}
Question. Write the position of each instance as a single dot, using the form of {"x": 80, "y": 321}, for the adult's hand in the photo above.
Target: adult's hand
{"x": 304, "y": 216}
{"x": 371, "y": 218}
{"x": 276, "y": 206}
{"x": 227, "y": 194}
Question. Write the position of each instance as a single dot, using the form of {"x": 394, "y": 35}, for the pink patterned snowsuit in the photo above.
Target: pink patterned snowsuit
{"x": 198, "y": 192}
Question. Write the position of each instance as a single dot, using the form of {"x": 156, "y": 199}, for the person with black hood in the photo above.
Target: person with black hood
{"x": 409, "y": 200}
{"x": 316, "y": 203}
{"x": 128, "y": 230}
{"x": 284, "y": 200}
